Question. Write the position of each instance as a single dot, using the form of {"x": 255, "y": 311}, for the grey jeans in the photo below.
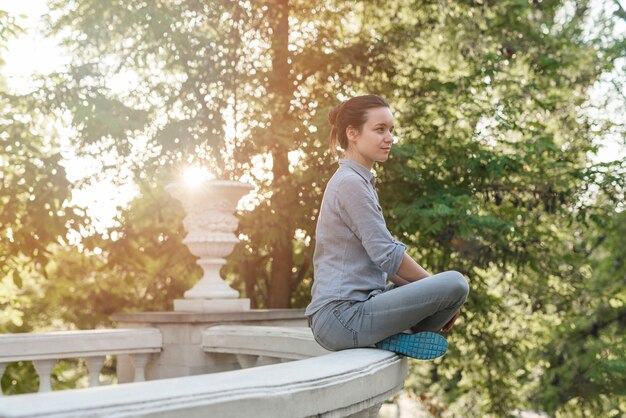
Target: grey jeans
{"x": 425, "y": 305}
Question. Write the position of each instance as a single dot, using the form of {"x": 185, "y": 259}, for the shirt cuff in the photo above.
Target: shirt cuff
{"x": 394, "y": 259}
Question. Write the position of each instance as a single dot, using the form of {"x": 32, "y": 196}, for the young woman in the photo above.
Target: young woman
{"x": 355, "y": 253}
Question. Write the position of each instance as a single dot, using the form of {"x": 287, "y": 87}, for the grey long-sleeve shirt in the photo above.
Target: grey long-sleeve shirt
{"x": 354, "y": 250}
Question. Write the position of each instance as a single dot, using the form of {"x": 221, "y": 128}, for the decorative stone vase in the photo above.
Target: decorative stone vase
{"x": 210, "y": 224}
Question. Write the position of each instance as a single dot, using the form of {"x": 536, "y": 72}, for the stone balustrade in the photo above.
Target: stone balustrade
{"x": 306, "y": 380}
{"x": 44, "y": 349}
{"x": 260, "y": 345}
{"x": 182, "y": 353}
{"x": 350, "y": 383}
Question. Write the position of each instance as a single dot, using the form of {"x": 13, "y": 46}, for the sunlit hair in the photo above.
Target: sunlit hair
{"x": 352, "y": 112}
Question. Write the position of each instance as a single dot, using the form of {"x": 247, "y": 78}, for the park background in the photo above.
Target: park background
{"x": 509, "y": 167}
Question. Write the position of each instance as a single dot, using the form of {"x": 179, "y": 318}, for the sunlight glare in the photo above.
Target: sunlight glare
{"x": 194, "y": 176}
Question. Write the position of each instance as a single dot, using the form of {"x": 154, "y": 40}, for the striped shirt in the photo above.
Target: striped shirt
{"x": 354, "y": 250}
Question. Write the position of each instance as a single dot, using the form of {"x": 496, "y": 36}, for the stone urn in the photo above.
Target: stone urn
{"x": 210, "y": 224}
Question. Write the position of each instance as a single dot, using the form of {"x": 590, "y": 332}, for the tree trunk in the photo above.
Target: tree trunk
{"x": 281, "y": 91}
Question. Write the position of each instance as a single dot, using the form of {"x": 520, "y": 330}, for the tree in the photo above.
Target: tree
{"x": 34, "y": 192}
{"x": 491, "y": 180}
{"x": 584, "y": 356}
{"x": 35, "y": 215}
{"x": 274, "y": 67}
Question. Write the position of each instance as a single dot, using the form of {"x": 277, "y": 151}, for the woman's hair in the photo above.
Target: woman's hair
{"x": 352, "y": 112}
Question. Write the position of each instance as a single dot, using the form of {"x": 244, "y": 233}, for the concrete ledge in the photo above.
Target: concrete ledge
{"x": 280, "y": 342}
{"x": 211, "y": 305}
{"x": 255, "y": 315}
{"x": 71, "y": 344}
{"x": 334, "y": 385}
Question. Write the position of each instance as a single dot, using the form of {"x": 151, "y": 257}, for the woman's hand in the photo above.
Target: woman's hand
{"x": 447, "y": 326}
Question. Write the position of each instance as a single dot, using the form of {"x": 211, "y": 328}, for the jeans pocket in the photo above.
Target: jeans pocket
{"x": 345, "y": 317}
{"x": 348, "y": 316}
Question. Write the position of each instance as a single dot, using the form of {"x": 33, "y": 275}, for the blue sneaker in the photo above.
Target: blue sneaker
{"x": 421, "y": 345}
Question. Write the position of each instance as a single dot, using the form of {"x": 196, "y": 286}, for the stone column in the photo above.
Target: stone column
{"x": 210, "y": 224}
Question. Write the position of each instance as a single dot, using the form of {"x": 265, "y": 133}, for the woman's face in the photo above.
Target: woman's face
{"x": 373, "y": 143}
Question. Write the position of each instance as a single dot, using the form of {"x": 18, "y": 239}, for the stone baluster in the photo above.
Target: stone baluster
{"x": 265, "y": 361}
{"x": 245, "y": 360}
{"x": 368, "y": 413}
{"x": 44, "y": 369}
{"x": 139, "y": 362}
{"x": 94, "y": 364}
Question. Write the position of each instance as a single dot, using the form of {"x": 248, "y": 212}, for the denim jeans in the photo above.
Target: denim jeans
{"x": 425, "y": 305}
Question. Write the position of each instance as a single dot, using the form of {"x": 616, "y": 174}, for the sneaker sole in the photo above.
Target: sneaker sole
{"x": 421, "y": 345}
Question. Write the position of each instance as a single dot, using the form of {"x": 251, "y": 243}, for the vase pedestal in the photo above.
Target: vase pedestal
{"x": 211, "y": 305}
{"x": 211, "y": 227}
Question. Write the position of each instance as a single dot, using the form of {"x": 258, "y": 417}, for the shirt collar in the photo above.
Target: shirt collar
{"x": 359, "y": 169}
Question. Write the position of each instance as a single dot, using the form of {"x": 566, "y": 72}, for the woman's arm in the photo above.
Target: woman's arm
{"x": 398, "y": 281}
{"x": 409, "y": 271}
{"x": 359, "y": 210}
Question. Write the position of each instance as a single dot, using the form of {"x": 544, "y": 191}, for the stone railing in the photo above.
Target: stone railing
{"x": 307, "y": 381}
{"x": 261, "y": 345}
{"x": 44, "y": 349}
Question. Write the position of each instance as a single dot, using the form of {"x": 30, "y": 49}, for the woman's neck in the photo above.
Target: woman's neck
{"x": 359, "y": 159}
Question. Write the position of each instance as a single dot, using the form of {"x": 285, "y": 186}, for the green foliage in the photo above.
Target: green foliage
{"x": 491, "y": 179}
{"x": 585, "y": 363}
{"x": 191, "y": 65}
{"x": 34, "y": 195}
{"x": 141, "y": 265}
{"x": 20, "y": 377}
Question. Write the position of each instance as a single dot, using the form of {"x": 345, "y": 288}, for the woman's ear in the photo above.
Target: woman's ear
{"x": 351, "y": 133}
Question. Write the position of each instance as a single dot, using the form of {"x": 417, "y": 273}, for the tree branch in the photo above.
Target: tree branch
{"x": 620, "y": 12}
